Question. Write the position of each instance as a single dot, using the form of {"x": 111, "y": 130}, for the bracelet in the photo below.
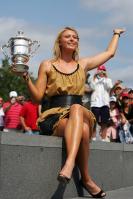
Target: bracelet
{"x": 116, "y": 33}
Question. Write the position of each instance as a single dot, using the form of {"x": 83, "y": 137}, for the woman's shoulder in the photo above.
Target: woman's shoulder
{"x": 81, "y": 62}
{"x": 45, "y": 65}
{"x": 46, "y": 62}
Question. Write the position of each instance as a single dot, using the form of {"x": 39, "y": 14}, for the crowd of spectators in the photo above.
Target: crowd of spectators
{"x": 111, "y": 104}
{"x": 18, "y": 114}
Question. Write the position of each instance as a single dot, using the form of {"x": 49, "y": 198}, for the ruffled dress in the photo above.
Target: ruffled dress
{"x": 60, "y": 83}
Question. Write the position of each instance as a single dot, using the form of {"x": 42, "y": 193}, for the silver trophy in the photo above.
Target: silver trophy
{"x": 20, "y": 51}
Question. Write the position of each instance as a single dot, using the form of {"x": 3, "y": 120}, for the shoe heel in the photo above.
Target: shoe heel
{"x": 63, "y": 179}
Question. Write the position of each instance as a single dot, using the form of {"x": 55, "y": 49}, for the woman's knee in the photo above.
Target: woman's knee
{"x": 76, "y": 108}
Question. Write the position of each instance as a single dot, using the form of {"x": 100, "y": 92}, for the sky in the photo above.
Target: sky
{"x": 94, "y": 20}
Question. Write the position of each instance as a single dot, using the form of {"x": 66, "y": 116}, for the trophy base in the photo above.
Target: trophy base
{"x": 21, "y": 68}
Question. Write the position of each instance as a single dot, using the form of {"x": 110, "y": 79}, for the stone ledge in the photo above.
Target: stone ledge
{"x": 30, "y": 140}
{"x": 29, "y": 166}
{"x": 53, "y": 141}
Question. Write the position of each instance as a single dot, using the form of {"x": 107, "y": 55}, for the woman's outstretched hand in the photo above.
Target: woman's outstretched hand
{"x": 119, "y": 31}
{"x": 25, "y": 74}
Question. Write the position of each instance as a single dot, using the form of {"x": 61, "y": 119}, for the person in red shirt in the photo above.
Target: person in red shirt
{"x": 28, "y": 118}
{"x": 21, "y": 99}
{"x": 12, "y": 109}
{"x": 1, "y": 114}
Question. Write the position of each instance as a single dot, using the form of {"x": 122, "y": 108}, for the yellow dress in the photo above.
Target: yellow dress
{"x": 60, "y": 83}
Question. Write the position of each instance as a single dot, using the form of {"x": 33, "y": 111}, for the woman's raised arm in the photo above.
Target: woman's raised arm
{"x": 95, "y": 61}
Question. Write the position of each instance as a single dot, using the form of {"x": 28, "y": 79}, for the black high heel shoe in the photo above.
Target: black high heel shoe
{"x": 63, "y": 179}
{"x": 100, "y": 194}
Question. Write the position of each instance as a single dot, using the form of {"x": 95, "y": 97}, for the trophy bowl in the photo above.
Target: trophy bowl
{"x": 20, "y": 51}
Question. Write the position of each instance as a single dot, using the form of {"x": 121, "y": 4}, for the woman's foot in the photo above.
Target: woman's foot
{"x": 93, "y": 189}
{"x": 64, "y": 179}
{"x": 66, "y": 172}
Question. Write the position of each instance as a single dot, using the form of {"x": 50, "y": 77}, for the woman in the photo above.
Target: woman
{"x": 62, "y": 80}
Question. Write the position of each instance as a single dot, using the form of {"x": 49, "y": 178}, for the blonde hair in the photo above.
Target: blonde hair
{"x": 56, "y": 48}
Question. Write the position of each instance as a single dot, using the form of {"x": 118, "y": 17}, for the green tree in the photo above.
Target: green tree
{"x": 10, "y": 82}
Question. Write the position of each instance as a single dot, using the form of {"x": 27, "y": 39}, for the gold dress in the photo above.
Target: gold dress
{"x": 60, "y": 83}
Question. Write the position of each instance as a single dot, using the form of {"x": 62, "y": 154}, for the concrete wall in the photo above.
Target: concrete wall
{"x": 29, "y": 166}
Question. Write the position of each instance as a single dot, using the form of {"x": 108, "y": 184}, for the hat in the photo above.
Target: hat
{"x": 13, "y": 94}
{"x": 125, "y": 94}
{"x": 102, "y": 67}
{"x": 112, "y": 99}
{"x": 119, "y": 86}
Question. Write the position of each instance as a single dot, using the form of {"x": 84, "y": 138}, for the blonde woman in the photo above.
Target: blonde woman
{"x": 61, "y": 80}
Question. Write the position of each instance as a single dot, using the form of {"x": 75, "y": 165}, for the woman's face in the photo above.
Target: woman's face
{"x": 112, "y": 104}
{"x": 125, "y": 100}
{"x": 131, "y": 95}
{"x": 102, "y": 73}
{"x": 118, "y": 91}
{"x": 69, "y": 40}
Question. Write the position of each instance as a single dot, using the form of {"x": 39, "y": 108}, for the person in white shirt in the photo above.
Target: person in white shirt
{"x": 101, "y": 86}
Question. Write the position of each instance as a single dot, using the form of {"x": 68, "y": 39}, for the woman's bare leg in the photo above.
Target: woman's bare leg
{"x": 82, "y": 162}
{"x": 82, "y": 153}
{"x": 72, "y": 134}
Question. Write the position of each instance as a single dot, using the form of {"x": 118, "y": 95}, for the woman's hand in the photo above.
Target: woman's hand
{"x": 25, "y": 74}
{"x": 14, "y": 70}
{"x": 119, "y": 31}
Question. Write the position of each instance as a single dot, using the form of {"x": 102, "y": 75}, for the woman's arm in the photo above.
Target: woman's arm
{"x": 37, "y": 90}
{"x": 95, "y": 61}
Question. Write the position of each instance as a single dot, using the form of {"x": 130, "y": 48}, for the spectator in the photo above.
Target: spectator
{"x": 101, "y": 85}
{"x": 87, "y": 95}
{"x": 126, "y": 128}
{"x": 112, "y": 131}
{"x": 1, "y": 114}
{"x": 116, "y": 91}
{"x": 28, "y": 118}
{"x": 130, "y": 96}
{"x": 117, "y": 88}
{"x": 21, "y": 99}
{"x": 12, "y": 109}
